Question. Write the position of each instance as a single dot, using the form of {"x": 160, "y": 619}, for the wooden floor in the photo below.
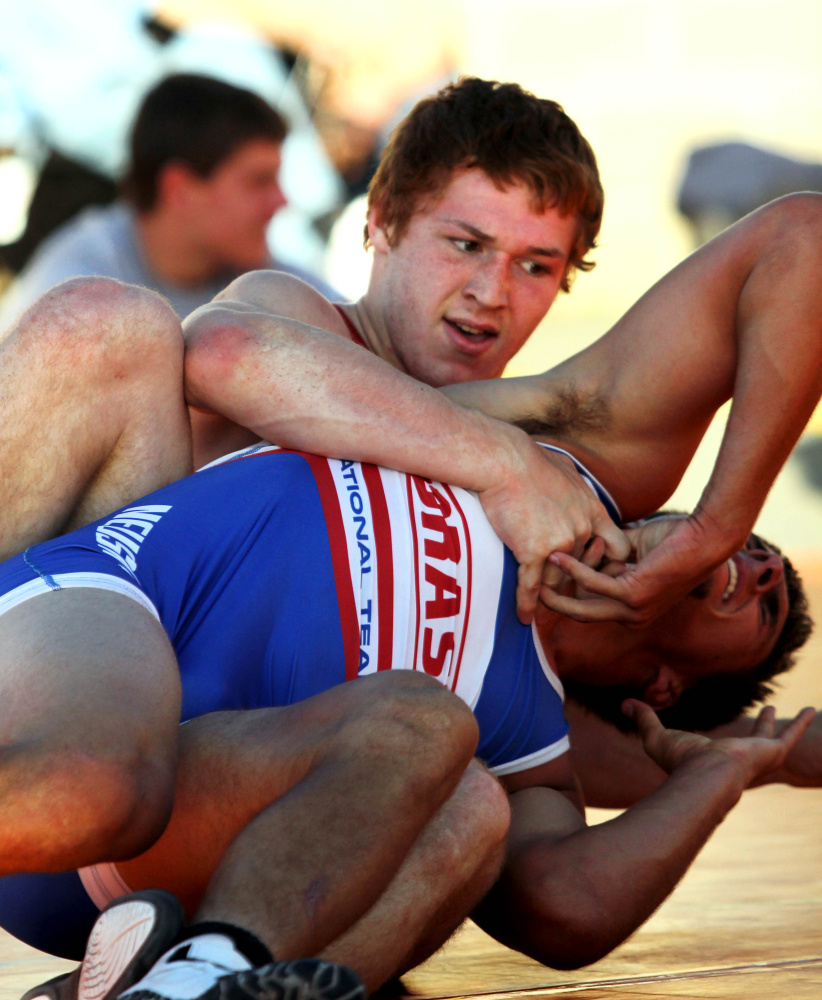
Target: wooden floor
{"x": 745, "y": 923}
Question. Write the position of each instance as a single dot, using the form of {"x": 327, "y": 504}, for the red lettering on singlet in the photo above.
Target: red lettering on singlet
{"x": 445, "y": 542}
{"x": 442, "y": 606}
{"x": 433, "y": 663}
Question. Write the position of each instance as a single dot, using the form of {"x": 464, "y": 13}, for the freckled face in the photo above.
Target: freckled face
{"x": 472, "y": 276}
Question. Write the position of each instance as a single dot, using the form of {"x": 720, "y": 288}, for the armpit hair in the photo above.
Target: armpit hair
{"x": 569, "y": 411}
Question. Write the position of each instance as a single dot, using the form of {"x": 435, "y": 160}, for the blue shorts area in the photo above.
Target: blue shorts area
{"x": 50, "y": 912}
{"x": 235, "y": 562}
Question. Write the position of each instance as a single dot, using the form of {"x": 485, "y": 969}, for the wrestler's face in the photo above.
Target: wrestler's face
{"x": 733, "y": 619}
{"x": 229, "y": 211}
{"x": 469, "y": 280}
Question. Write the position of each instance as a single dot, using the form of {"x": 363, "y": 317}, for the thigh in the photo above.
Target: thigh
{"x": 89, "y": 705}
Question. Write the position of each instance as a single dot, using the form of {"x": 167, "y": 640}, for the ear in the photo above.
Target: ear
{"x": 665, "y": 690}
{"x": 377, "y": 235}
{"x": 175, "y": 181}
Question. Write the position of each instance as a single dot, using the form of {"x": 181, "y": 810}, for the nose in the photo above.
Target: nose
{"x": 768, "y": 571}
{"x": 278, "y": 198}
{"x": 488, "y": 285}
{"x": 274, "y": 199}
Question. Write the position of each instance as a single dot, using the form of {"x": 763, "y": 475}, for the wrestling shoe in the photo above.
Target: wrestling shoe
{"x": 303, "y": 979}
{"x": 214, "y": 960}
{"x": 127, "y": 938}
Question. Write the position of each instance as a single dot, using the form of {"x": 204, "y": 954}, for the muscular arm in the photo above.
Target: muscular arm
{"x": 300, "y": 385}
{"x": 741, "y": 317}
{"x": 569, "y": 894}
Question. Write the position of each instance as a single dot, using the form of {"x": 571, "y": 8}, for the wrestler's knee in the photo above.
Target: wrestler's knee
{"x": 89, "y": 727}
{"x": 486, "y": 815}
{"x": 95, "y": 326}
{"x": 70, "y": 805}
{"x": 408, "y": 707}
{"x": 406, "y": 717}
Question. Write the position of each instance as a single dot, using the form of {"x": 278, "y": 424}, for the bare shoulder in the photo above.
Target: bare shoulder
{"x": 284, "y": 295}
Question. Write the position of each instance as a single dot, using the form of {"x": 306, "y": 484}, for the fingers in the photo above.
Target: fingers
{"x": 764, "y": 724}
{"x": 529, "y": 578}
{"x": 589, "y": 609}
{"x": 617, "y": 543}
{"x": 646, "y": 719}
{"x": 793, "y": 732}
{"x": 594, "y": 551}
{"x": 553, "y": 575}
{"x": 587, "y": 577}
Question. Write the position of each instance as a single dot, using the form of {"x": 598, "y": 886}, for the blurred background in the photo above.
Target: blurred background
{"x": 649, "y": 83}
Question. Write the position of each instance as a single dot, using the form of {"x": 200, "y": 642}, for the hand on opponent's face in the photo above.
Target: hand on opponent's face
{"x": 670, "y": 556}
{"x": 542, "y": 505}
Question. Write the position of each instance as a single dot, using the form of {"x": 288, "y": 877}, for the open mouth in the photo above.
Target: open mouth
{"x": 733, "y": 580}
{"x": 475, "y": 335}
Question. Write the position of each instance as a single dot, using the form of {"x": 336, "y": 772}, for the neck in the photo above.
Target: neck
{"x": 374, "y": 335}
{"x": 591, "y": 652}
{"x": 170, "y": 253}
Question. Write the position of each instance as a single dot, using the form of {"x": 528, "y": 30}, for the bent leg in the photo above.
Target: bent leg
{"x": 452, "y": 866}
{"x": 89, "y": 704}
{"x": 357, "y": 773}
{"x": 92, "y": 413}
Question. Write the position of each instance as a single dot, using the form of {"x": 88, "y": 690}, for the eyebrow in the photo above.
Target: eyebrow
{"x": 478, "y": 234}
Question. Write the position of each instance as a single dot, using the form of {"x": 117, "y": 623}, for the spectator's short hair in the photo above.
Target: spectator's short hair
{"x": 196, "y": 120}
{"x": 503, "y": 130}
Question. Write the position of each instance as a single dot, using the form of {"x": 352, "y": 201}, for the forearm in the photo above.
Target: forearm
{"x": 305, "y": 388}
{"x": 570, "y": 902}
{"x": 778, "y": 378}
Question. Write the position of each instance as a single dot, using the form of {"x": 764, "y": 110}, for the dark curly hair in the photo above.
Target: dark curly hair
{"x": 503, "y": 130}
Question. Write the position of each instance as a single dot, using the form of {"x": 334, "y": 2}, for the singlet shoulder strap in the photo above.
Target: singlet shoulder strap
{"x": 594, "y": 484}
{"x": 355, "y": 333}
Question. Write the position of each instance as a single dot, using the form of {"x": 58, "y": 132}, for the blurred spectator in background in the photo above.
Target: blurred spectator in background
{"x": 725, "y": 181}
{"x": 72, "y": 77}
{"x": 200, "y": 190}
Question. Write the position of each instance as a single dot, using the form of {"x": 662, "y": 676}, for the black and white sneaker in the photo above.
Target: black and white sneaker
{"x": 128, "y": 937}
{"x": 302, "y": 979}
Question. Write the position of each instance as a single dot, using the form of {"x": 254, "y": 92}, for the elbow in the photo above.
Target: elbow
{"x": 572, "y": 943}
{"x": 249, "y": 287}
{"x": 218, "y": 348}
{"x": 568, "y": 926}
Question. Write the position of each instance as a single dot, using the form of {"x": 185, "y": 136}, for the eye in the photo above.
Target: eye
{"x": 769, "y": 608}
{"x": 466, "y": 246}
{"x": 534, "y": 268}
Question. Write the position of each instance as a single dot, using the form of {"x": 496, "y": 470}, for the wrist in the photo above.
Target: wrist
{"x": 724, "y": 529}
{"x": 506, "y": 454}
{"x": 724, "y": 776}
